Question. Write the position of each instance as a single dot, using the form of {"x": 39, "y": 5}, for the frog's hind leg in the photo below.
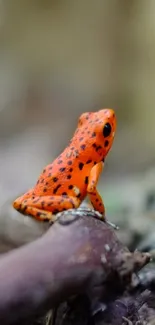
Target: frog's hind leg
{"x": 44, "y": 208}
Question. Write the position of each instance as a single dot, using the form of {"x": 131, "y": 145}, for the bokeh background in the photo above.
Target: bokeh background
{"x": 59, "y": 59}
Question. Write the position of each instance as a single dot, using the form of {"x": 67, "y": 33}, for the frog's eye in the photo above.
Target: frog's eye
{"x": 107, "y": 130}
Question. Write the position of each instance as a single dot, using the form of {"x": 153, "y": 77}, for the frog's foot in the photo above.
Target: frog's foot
{"x": 82, "y": 211}
{"x": 97, "y": 215}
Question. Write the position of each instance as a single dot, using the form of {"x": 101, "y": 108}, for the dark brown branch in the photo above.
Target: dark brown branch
{"x": 78, "y": 254}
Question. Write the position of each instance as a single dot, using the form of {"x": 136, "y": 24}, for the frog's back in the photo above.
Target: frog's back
{"x": 67, "y": 175}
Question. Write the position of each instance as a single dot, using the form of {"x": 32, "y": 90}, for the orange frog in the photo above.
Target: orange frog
{"x": 65, "y": 183}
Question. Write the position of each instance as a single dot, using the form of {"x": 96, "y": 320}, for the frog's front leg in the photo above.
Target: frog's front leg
{"x": 93, "y": 194}
{"x": 44, "y": 208}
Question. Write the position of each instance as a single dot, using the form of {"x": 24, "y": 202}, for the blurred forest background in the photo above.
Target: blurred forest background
{"x": 61, "y": 58}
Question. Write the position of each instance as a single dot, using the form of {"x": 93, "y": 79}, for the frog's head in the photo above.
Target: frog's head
{"x": 98, "y": 131}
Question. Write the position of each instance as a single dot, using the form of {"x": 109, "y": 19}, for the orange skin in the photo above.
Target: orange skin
{"x": 65, "y": 183}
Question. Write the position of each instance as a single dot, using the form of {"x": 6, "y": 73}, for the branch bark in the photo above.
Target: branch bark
{"x": 78, "y": 254}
